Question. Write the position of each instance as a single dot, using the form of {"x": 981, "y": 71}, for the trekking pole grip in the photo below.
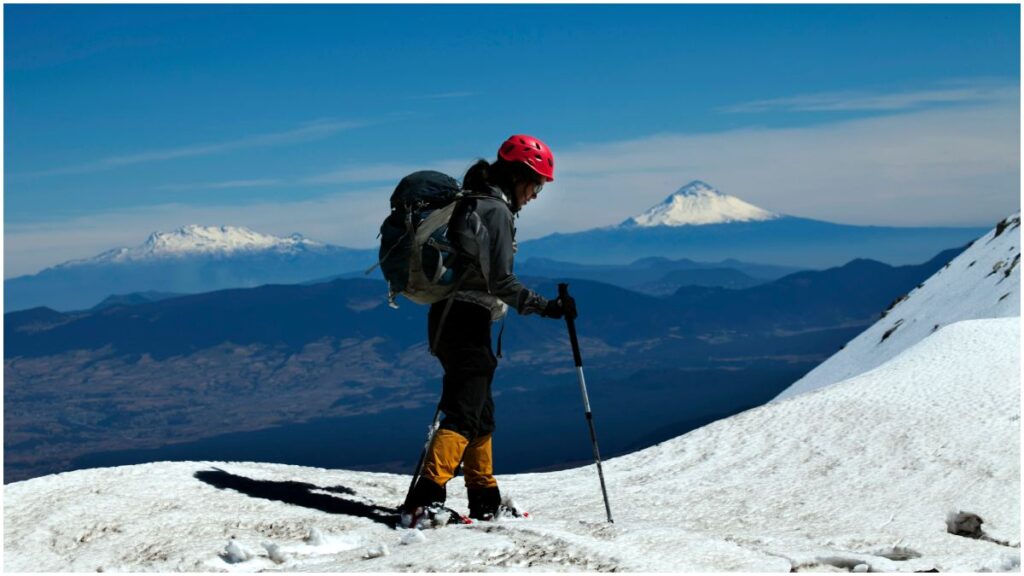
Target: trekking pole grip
{"x": 570, "y": 322}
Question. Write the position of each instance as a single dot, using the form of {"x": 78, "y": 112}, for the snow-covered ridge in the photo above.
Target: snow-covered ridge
{"x": 982, "y": 282}
{"x": 698, "y": 203}
{"x": 195, "y": 240}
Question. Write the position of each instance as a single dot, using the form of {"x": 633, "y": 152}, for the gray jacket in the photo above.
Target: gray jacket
{"x": 483, "y": 228}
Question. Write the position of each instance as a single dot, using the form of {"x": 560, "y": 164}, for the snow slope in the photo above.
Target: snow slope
{"x": 194, "y": 240}
{"x": 983, "y": 282}
{"x": 865, "y": 474}
{"x": 698, "y": 203}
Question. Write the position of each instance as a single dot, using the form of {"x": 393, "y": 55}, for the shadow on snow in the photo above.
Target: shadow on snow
{"x": 300, "y": 494}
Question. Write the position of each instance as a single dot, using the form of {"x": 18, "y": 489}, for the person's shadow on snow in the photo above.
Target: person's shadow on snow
{"x": 300, "y": 494}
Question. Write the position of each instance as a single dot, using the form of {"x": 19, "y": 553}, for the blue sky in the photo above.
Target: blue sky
{"x": 122, "y": 120}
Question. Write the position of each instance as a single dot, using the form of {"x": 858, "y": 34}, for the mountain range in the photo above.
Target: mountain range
{"x": 659, "y": 276}
{"x": 696, "y": 223}
{"x": 654, "y": 276}
{"x": 239, "y": 370}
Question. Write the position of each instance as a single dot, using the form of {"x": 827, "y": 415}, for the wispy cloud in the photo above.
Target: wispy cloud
{"x": 225, "y": 185}
{"x": 868, "y": 101}
{"x": 378, "y": 173}
{"x": 385, "y": 172}
{"x": 42, "y": 52}
{"x": 949, "y": 166}
{"x": 943, "y": 166}
{"x": 310, "y": 131}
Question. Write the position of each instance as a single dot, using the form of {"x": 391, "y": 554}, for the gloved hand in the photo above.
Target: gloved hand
{"x": 559, "y": 308}
{"x": 553, "y": 309}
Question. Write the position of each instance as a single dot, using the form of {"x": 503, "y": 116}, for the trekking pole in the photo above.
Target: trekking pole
{"x": 570, "y": 321}
{"x": 426, "y": 446}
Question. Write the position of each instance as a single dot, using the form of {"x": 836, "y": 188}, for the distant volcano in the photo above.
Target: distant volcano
{"x": 700, "y": 223}
{"x": 187, "y": 260}
{"x": 699, "y": 203}
{"x": 194, "y": 240}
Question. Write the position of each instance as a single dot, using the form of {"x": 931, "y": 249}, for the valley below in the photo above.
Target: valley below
{"x": 326, "y": 374}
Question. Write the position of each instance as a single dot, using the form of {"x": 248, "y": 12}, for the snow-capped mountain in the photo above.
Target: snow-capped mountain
{"x": 698, "y": 203}
{"x": 188, "y": 260}
{"x": 701, "y": 223}
{"x": 195, "y": 240}
{"x": 983, "y": 282}
{"x": 912, "y": 467}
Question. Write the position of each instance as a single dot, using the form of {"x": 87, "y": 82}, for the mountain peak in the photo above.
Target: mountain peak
{"x": 697, "y": 188}
{"x": 699, "y": 203}
{"x": 197, "y": 240}
{"x": 204, "y": 239}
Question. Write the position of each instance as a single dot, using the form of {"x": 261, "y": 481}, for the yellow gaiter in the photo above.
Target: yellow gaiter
{"x": 444, "y": 456}
{"x": 478, "y": 465}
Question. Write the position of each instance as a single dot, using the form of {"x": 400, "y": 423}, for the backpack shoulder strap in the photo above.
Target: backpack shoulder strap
{"x": 490, "y": 195}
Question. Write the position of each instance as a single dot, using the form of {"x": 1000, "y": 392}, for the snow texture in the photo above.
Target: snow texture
{"x": 196, "y": 240}
{"x": 982, "y": 282}
{"x": 275, "y": 553}
{"x": 413, "y": 536}
{"x": 376, "y": 551}
{"x": 235, "y": 553}
{"x": 698, "y": 203}
{"x": 911, "y": 466}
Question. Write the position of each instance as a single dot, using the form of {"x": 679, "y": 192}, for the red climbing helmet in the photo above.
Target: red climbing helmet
{"x": 532, "y": 152}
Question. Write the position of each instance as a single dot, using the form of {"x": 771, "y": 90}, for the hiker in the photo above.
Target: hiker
{"x": 461, "y": 338}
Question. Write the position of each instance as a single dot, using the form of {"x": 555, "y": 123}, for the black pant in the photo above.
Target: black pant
{"x": 464, "y": 350}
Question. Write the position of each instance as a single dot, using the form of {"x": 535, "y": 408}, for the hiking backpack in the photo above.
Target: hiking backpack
{"x": 416, "y": 256}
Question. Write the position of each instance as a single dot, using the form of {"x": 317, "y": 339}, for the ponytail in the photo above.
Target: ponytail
{"x": 477, "y": 178}
{"x": 501, "y": 173}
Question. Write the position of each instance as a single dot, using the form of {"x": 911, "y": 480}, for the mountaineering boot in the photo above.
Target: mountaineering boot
{"x": 432, "y": 516}
{"x": 488, "y": 504}
{"x": 424, "y": 495}
{"x": 509, "y": 509}
{"x": 483, "y": 502}
{"x": 424, "y": 507}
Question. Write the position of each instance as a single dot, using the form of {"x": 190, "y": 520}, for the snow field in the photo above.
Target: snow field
{"x": 982, "y": 282}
